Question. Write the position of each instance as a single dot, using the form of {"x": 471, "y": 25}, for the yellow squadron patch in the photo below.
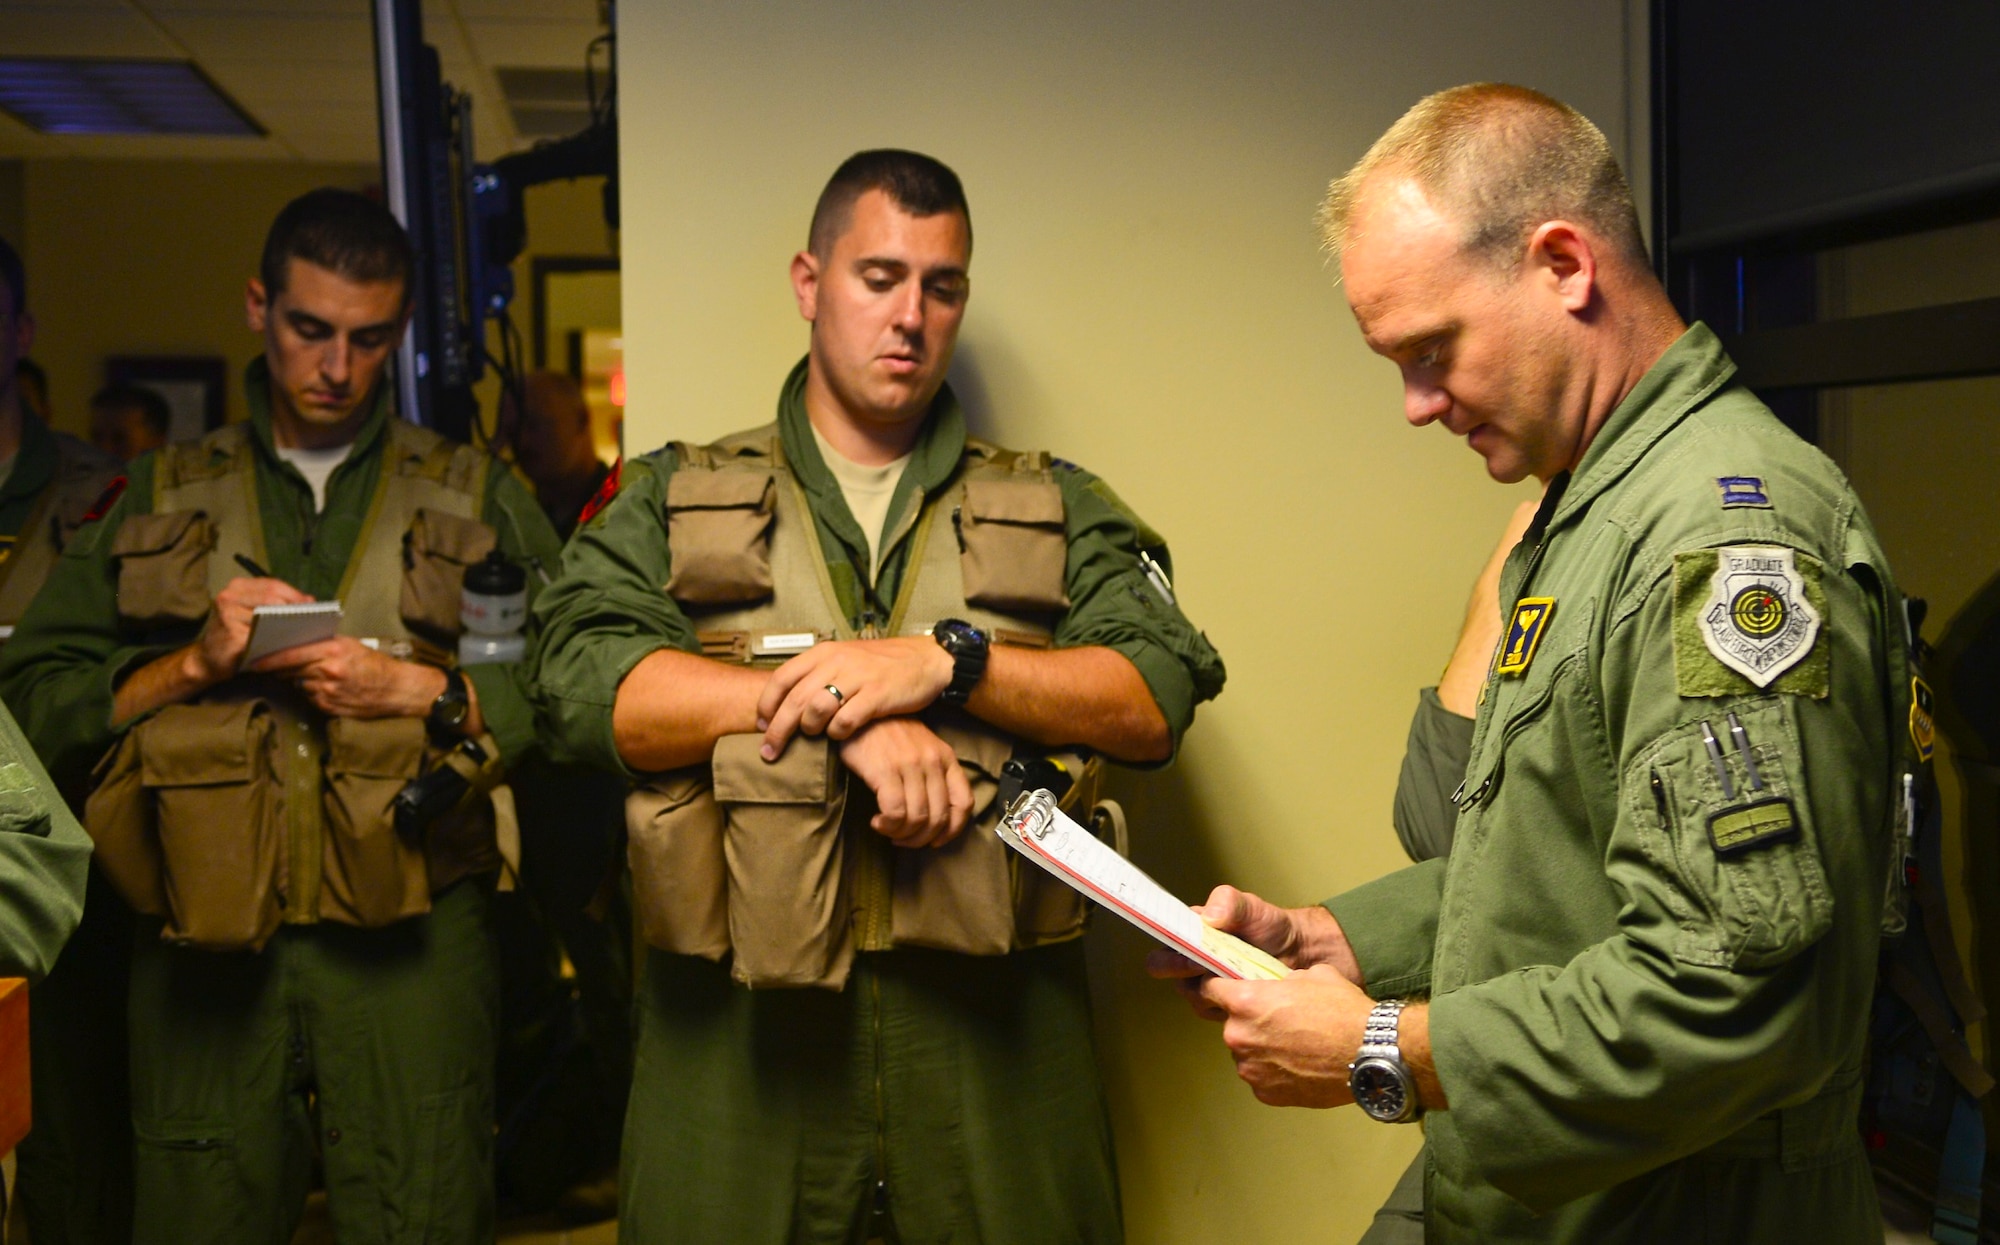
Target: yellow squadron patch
{"x": 1923, "y": 725}
{"x": 1524, "y": 634}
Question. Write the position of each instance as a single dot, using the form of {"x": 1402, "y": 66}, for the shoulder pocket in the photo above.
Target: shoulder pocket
{"x": 1014, "y": 551}
{"x": 719, "y": 536}
{"x": 163, "y": 567}
{"x": 1736, "y": 836}
{"x": 436, "y": 550}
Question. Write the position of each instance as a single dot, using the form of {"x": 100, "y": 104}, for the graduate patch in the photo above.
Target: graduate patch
{"x": 1524, "y": 634}
{"x": 1746, "y": 826}
{"x": 1747, "y": 617}
{"x": 605, "y": 492}
{"x": 1923, "y": 726}
{"x": 1742, "y": 491}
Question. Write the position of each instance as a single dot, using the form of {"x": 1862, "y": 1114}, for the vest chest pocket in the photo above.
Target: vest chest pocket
{"x": 216, "y": 810}
{"x": 436, "y": 550}
{"x": 163, "y": 567}
{"x": 1014, "y": 548}
{"x": 785, "y": 859}
{"x": 719, "y": 536}
{"x": 370, "y": 876}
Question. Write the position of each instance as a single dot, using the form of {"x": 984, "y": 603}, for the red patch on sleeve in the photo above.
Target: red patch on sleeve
{"x": 602, "y": 497}
{"x": 105, "y": 500}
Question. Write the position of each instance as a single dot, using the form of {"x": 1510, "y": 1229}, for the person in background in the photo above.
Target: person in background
{"x": 75, "y": 1180}
{"x": 312, "y": 980}
{"x": 548, "y": 432}
{"x": 1631, "y": 1003}
{"x": 128, "y": 420}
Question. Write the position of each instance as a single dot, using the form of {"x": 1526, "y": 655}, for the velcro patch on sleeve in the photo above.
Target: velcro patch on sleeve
{"x": 1748, "y": 618}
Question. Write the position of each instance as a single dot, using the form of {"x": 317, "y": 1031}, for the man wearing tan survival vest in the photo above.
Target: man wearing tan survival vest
{"x": 321, "y": 977}
{"x": 813, "y": 646}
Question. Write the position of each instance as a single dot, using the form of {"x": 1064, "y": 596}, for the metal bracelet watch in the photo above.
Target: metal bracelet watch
{"x": 449, "y": 711}
{"x": 1382, "y": 1083}
{"x": 969, "y": 649}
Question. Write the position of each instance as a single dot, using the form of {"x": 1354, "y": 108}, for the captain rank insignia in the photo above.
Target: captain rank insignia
{"x": 1524, "y": 634}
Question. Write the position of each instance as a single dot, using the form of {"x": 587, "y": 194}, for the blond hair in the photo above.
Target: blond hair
{"x": 1501, "y": 160}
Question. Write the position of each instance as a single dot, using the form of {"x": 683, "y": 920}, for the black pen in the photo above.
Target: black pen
{"x": 244, "y": 561}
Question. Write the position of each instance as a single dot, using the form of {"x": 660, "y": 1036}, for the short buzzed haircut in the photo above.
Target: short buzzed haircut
{"x": 914, "y": 182}
{"x": 1501, "y": 160}
{"x": 14, "y": 276}
{"x": 345, "y": 233}
{"x": 153, "y": 409}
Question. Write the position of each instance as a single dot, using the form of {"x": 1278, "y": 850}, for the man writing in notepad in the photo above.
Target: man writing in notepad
{"x": 319, "y": 968}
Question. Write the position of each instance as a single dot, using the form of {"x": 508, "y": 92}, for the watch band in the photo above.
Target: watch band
{"x": 1380, "y": 1080}
{"x": 452, "y": 706}
{"x": 1379, "y": 1035}
{"x": 969, "y": 649}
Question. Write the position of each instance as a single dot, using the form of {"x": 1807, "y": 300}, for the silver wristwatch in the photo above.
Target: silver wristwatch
{"x": 1381, "y": 1081}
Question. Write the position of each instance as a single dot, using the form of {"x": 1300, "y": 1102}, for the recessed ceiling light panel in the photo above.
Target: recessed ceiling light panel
{"x": 75, "y": 95}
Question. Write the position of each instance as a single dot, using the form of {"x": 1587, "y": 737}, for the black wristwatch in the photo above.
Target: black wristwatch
{"x": 1382, "y": 1083}
{"x": 450, "y": 709}
{"x": 968, "y": 647}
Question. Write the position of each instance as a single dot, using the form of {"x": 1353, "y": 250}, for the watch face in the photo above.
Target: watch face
{"x": 1380, "y": 1089}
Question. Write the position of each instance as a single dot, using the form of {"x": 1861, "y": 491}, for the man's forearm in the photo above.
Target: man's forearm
{"x": 1088, "y": 696}
{"x": 165, "y": 680}
{"x": 673, "y": 706}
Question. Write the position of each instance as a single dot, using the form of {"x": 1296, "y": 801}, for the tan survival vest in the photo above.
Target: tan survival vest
{"x": 81, "y": 476}
{"x": 249, "y": 808}
{"x": 774, "y": 864}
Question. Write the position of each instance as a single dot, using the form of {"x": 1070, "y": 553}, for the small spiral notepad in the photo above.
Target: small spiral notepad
{"x": 274, "y": 628}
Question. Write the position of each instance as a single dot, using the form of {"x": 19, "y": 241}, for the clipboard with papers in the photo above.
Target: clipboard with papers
{"x": 1036, "y": 828}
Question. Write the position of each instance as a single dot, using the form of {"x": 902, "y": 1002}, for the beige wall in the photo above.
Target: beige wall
{"x": 1148, "y": 301}
{"x": 149, "y": 257}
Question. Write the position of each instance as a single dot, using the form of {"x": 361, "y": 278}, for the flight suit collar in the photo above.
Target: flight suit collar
{"x": 933, "y": 459}
{"x": 257, "y": 392}
{"x": 35, "y": 462}
{"x": 1692, "y": 371}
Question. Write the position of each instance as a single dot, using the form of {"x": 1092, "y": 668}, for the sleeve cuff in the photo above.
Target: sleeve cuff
{"x": 504, "y": 706}
{"x": 1168, "y": 680}
{"x": 1391, "y": 923}
{"x": 581, "y": 716}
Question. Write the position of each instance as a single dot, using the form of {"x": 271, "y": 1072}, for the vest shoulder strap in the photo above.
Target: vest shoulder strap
{"x": 207, "y": 457}
{"x": 419, "y": 452}
{"x": 986, "y": 458}
{"x": 758, "y": 447}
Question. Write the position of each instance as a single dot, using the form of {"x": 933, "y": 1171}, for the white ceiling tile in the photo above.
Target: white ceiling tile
{"x": 46, "y": 32}
{"x": 271, "y": 8}
{"x": 528, "y": 10}
{"x": 341, "y": 40}
{"x": 532, "y": 43}
{"x": 97, "y": 8}
{"x": 257, "y": 83}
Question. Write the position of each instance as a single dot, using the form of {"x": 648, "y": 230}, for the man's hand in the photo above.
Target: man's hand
{"x": 218, "y": 650}
{"x": 921, "y": 793}
{"x": 1293, "y": 1039}
{"x": 877, "y": 679}
{"x": 344, "y": 678}
{"x": 1301, "y": 937}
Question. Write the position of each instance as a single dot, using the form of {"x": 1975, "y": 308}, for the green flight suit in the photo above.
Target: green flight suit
{"x": 75, "y": 1167}
{"x": 959, "y": 1091}
{"x": 44, "y": 857}
{"x": 1649, "y": 980}
{"x": 218, "y": 1113}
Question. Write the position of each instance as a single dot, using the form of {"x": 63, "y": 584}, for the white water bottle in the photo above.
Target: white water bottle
{"x": 492, "y": 609}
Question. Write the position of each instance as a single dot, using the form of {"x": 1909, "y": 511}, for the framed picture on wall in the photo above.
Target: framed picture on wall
{"x": 194, "y": 387}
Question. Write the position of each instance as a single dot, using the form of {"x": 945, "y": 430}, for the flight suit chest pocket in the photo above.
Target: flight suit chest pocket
{"x": 207, "y": 769}
{"x": 1014, "y": 549}
{"x": 719, "y": 536}
{"x": 1736, "y": 836}
{"x": 24, "y": 806}
{"x": 436, "y": 552}
{"x": 163, "y": 567}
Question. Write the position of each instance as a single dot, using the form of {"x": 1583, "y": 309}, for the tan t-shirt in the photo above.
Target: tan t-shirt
{"x": 868, "y": 491}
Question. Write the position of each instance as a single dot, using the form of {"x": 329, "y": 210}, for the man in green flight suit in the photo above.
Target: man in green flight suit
{"x": 814, "y": 646}
{"x": 1631, "y": 1003}
{"x": 75, "y": 1177}
{"x": 307, "y": 964}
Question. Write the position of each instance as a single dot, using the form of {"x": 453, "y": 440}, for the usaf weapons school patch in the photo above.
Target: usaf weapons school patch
{"x": 1747, "y": 617}
{"x": 1524, "y": 634}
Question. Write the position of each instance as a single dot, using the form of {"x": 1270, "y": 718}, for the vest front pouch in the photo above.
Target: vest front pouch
{"x": 163, "y": 567}
{"x": 1046, "y": 910}
{"x": 125, "y": 841}
{"x": 370, "y": 876}
{"x": 719, "y": 536}
{"x": 782, "y": 847}
{"x": 960, "y": 897}
{"x": 1014, "y": 548}
{"x": 673, "y": 842}
{"x": 436, "y": 552}
{"x": 216, "y": 808}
